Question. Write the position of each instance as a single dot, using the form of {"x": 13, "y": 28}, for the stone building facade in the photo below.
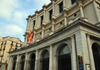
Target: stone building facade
{"x": 7, "y": 44}
{"x": 66, "y": 36}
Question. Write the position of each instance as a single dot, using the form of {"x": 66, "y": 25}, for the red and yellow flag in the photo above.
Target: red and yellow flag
{"x": 30, "y": 36}
{"x": 33, "y": 35}
{"x": 27, "y": 38}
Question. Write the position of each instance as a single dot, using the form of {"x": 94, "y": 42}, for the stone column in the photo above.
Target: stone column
{"x": 34, "y": 36}
{"x": 73, "y": 55}
{"x": 43, "y": 32}
{"x": 53, "y": 25}
{"x": 27, "y": 26}
{"x": 97, "y": 13}
{"x": 90, "y": 53}
{"x": 51, "y": 58}
{"x": 31, "y": 24}
{"x": 56, "y": 62}
{"x": 81, "y": 8}
{"x": 44, "y": 18}
{"x": 64, "y": 4}
{"x": 10, "y": 62}
{"x": 65, "y": 19}
{"x": 36, "y": 61}
{"x": 26, "y": 64}
{"x": 17, "y": 63}
{"x": 53, "y": 14}
{"x": 81, "y": 46}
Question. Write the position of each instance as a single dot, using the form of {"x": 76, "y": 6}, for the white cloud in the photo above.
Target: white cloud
{"x": 0, "y": 33}
{"x": 13, "y": 29}
{"x": 40, "y": 3}
{"x": 7, "y": 7}
{"x": 18, "y": 17}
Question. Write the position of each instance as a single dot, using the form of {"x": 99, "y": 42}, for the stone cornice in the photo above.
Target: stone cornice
{"x": 11, "y": 40}
{"x": 79, "y": 22}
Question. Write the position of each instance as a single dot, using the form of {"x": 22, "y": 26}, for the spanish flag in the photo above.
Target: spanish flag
{"x": 30, "y": 36}
{"x": 27, "y": 38}
{"x": 33, "y": 35}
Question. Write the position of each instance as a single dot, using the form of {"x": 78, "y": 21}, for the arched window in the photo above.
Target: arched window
{"x": 96, "y": 55}
{"x": 45, "y": 60}
{"x": 73, "y": 1}
{"x": 14, "y": 62}
{"x": 32, "y": 62}
{"x": 23, "y": 61}
{"x": 64, "y": 58}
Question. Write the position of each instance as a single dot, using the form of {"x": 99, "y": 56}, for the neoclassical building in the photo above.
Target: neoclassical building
{"x": 66, "y": 36}
{"x": 8, "y": 44}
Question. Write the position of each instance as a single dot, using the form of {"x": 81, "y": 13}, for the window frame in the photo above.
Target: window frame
{"x": 42, "y": 19}
{"x": 50, "y": 14}
{"x": 60, "y": 7}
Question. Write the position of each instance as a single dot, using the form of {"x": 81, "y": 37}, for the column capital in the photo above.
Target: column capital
{"x": 53, "y": 2}
{"x": 87, "y": 34}
{"x": 51, "y": 45}
{"x": 72, "y": 36}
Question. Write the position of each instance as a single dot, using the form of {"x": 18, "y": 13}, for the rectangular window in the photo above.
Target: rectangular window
{"x": 33, "y": 23}
{"x": 61, "y": 7}
{"x": 50, "y": 14}
{"x": 73, "y": 1}
{"x": 41, "y": 19}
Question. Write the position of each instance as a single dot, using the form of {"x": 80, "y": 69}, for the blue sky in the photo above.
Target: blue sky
{"x": 13, "y": 14}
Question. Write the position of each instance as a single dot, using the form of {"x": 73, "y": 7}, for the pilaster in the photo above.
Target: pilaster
{"x": 81, "y": 8}
{"x": 17, "y": 65}
{"x": 43, "y": 28}
{"x": 90, "y": 53}
{"x": 10, "y": 63}
{"x": 81, "y": 45}
{"x": 73, "y": 54}
{"x": 53, "y": 3}
{"x": 53, "y": 25}
{"x": 26, "y": 64}
{"x": 97, "y": 14}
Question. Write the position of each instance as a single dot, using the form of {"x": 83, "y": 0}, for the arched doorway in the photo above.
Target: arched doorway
{"x": 32, "y": 61}
{"x": 14, "y": 63}
{"x": 22, "y": 62}
{"x": 45, "y": 60}
{"x": 96, "y": 55}
{"x": 64, "y": 58}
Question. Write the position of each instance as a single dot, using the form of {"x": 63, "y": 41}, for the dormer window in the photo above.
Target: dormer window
{"x": 41, "y": 19}
{"x": 33, "y": 23}
{"x": 50, "y": 14}
{"x": 73, "y": 1}
{"x": 61, "y": 7}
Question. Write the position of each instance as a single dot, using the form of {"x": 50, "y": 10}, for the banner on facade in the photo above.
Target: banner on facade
{"x": 80, "y": 59}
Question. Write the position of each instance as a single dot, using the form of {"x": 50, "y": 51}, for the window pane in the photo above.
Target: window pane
{"x": 64, "y": 50}
{"x": 73, "y": 1}
{"x": 61, "y": 7}
{"x": 46, "y": 54}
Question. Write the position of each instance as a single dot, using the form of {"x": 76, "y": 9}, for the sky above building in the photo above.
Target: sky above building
{"x": 13, "y": 14}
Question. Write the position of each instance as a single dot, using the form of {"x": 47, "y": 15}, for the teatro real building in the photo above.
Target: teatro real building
{"x": 65, "y": 36}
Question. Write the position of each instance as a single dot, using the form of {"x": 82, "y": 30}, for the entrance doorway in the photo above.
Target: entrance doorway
{"x": 96, "y": 55}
